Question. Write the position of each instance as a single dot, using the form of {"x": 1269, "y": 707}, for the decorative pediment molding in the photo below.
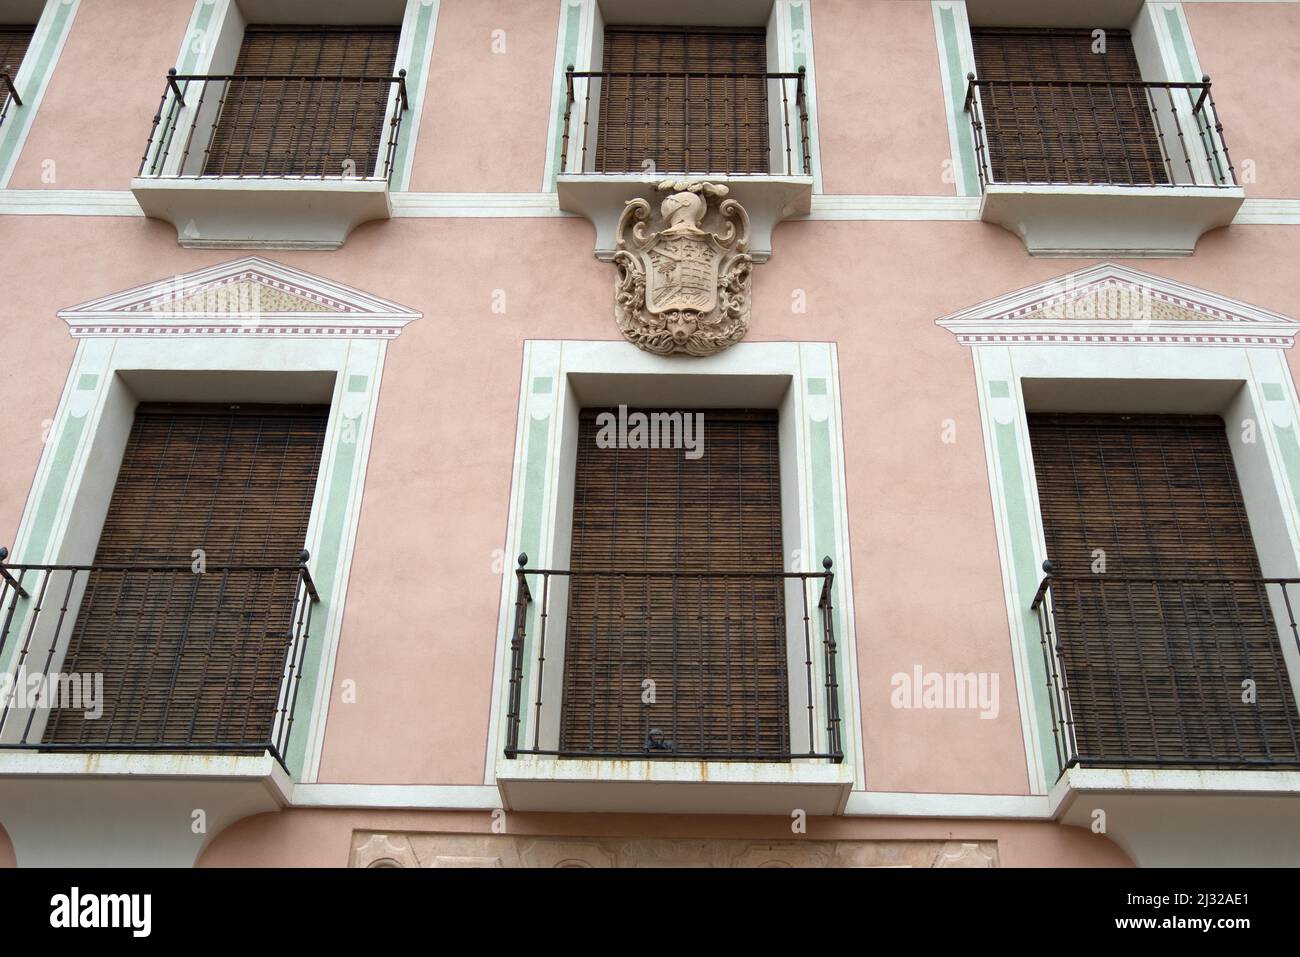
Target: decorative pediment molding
{"x": 245, "y": 297}
{"x": 1109, "y": 304}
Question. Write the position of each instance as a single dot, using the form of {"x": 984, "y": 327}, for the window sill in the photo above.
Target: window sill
{"x": 1133, "y": 221}
{"x": 600, "y": 197}
{"x": 263, "y": 213}
{"x": 1181, "y": 818}
{"x": 103, "y": 808}
{"x": 673, "y": 787}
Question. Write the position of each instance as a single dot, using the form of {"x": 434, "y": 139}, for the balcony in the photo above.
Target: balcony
{"x": 9, "y": 97}
{"x": 180, "y": 695}
{"x": 1095, "y": 168}
{"x": 1173, "y": 711}
{"x": 671, "y": 688}
{"x": 625, "y": 131}
{"x": 277, "y": 161}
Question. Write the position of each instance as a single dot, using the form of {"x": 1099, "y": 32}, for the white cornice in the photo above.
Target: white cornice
{"x": 839, "y": 206}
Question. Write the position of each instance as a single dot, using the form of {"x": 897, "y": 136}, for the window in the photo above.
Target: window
{"x": 684, "y": 99}
{"x": 1058, "y": 110}
{"x": 304, "y": 101}
{"x": 677, "y": 580}
{"x": 1156, "y": 644}
{"x": 195, "y": 657}
{"x": 1085, "y": 131}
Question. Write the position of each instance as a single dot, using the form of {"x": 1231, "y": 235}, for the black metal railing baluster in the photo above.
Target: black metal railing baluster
{"x": 171, "y": 620}
{"x": 1087, "y": 157}
{"x": 654, "y": 98}
{"x": 523, "y": 598}
{"x": 279, "y": 126}
{"x": 688, "y": 604}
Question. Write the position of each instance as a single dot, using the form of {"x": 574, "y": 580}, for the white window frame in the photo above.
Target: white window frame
{"x": 1152, "y": 366}
{"x": 789, "y": 46}
{"x": 120, "y": 341}
{"x": 559, "y": 377}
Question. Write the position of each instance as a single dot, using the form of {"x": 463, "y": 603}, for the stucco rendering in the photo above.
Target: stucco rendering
{"x": 302, "y": 365}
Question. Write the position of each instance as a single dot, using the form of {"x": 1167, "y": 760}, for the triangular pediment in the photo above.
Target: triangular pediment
{"x": 250, "y": 296}
{"x": 1114, "y": 305}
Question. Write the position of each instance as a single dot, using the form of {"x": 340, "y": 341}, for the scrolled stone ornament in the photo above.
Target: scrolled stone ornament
{"x": 683, "y": 288}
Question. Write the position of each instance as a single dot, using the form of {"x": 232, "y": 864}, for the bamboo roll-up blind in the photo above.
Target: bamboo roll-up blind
{"x": 304, "y": 127}
{"x": 1077, "y": 133}
{"x": 192, "y": 657}
{"x": 715, "y": 648}
{"x": 682, "y": 124}
{"x": 1156, "y": 670}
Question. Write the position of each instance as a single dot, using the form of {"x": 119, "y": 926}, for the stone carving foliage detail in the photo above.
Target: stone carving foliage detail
{"x": 685, "y": 287}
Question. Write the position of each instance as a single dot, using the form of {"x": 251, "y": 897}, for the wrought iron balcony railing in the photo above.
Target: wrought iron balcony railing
{"x": 675, "y": 665}
{"x": 1097, "y": 133}
{"x": 700, "y": 122}
{"x": 8, "y": 96}
{"x": 153, "y": 658}
{"x": 283, "y": 126}
{"x": 1150, "y": 672}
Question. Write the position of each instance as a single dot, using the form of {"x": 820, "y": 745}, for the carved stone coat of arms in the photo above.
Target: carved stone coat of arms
{"x": 683, "y": 288}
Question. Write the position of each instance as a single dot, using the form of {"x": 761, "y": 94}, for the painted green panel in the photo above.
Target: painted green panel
{"x": 1290, "y": 448}
{"x": 198, "y": 38}
{"x": 47, "y": 509}
{"x": 1273, "y": 392}
{"x": 536, "y": 453}
{"x": 1026, "y": 574}
{"x": 325, "y": 565}
{"x": 56, "y": 482}
{"x": 957, "y": 95}
{"x": 1181, "y": 48}
{"x": 572, "y": 21}
{"x": 823, "y": 502}
{"x": 415, "y": 80}
{"x": 799, "y": 36}
{"x": 999, "y": 388}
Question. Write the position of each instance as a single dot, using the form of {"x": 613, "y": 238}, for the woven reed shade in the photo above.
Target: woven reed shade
{"x": 696, "y": 124}
{"x": 304, "y": 127}
{"x": 14, "y": 41}
{"x": 196, "y": 658}
{"x": 715, "y": 648}
{"x": 1156, "y": 671}
{"x": 1075, "y": 134}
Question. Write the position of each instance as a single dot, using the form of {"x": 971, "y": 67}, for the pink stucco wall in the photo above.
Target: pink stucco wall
{"x": 880, "y": 118}
{"x": 443, "y": 451}
{"x": 488, "y": 135}
{"x": 1251, "y": 56}
{"x": 95, "y": 118}
{"x": 420, "y": 627}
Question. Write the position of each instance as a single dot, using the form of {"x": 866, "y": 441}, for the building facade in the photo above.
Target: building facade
{"x": 608, "y": 433}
